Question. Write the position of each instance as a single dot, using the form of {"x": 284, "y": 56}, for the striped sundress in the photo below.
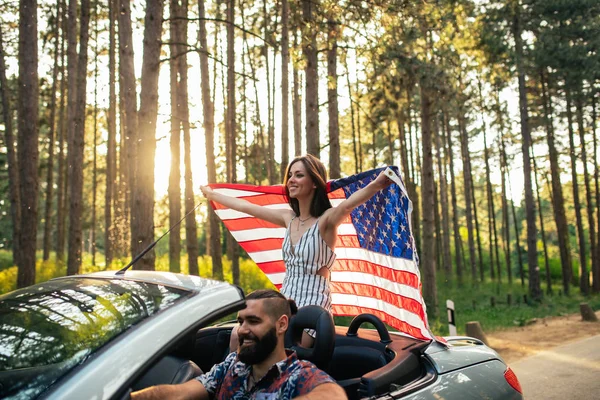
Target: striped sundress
{"x": 302, "y": 262}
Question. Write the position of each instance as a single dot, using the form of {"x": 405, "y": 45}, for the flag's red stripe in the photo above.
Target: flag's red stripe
{"x": 402, "y": 326}
{"x": 253, "y": 246}
{"x": 337, "y": 194}
{"x": 272, "y": 267}
{"x": 347, "y": 241}
{"x": 275, "y": 189}
{"x": 398, "y": 276}
{"x": 261, "y": 200}
{"x": 392, "y": 298}
{"x": 240, "y": 224}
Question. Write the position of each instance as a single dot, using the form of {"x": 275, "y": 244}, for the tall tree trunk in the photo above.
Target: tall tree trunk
{"x": 353, "y": 123}
{"x": 11, "y": 155}
{"x": 245, "y": 101}
{"x": 51, "y": 140}
{"x": 583, "y": 276}
{"x": 412, "y": 186}
{"x": 490, "y": 193}
{"x": 558, "y": 202}
{"x": 541, "y": 215}
{"x": 174, "y": 190}
{"x": 111, "y": 151}
{"x": 332, "y": 100}
{"x": 297, "y": 106}
{"x": 28, "y": 139}
{"x": 477, "y": 230}
{"x": 191, "y": 228}
{"x": 122, "y": 233}
{"x": 518, "y": 240}
{"x": 586, "y": 180}
{"x": 285, "y": 90}
{"x": 445, "y": 240}
{"x": 209, "y": 131}
{"x": 503, "y": 172}
{"x": 61, "y": 181}
{"x": 596, "y": 271}
{"x": 260, "y": 142}
{"x": 468, "y": 195}
{"x": 142, "y": 214}
{"x": 428, "y": 186}
{"x": 456, "y": 227}
{"x": 127, "y": 85}
{"x": 95, "y": 143}
{"x": 270, "y": 159}
{"x": 359, "y": 130}
{"x": 310, "y": 50}
{"x": 535, "y": 291}
{"x": 76, "y": 147}
{"x": 230, "y": 132}
{"x": 490, "y": 200}
{"x": 435, "y": 132}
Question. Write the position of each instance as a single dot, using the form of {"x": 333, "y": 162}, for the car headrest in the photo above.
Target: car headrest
{"x": 317, "y": 318}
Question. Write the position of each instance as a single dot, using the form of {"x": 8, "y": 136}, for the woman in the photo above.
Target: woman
{"x": 311, "y": 228}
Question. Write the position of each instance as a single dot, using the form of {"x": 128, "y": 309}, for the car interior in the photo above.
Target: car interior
{"x": 365, "y": 362}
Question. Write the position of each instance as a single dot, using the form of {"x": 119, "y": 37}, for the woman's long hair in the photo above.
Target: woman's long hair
{"x": 315, "y": 168}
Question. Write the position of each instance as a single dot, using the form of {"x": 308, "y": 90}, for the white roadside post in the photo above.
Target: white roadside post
{"x": 451, "y": 319}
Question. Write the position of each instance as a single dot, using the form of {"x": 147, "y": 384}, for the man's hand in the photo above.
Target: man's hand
{"x": 326, "y": 391}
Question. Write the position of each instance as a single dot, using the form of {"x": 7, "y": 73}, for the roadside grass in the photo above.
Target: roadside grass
{"x": 473, "y": 303}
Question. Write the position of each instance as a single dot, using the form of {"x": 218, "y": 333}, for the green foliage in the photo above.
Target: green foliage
{"x": 251, "y": 277}
{"x": 474, "y": 304}
{"x": 6, "y": 260}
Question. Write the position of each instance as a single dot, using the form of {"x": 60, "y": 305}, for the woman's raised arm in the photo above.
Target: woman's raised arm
{"x": 278, "y": 217}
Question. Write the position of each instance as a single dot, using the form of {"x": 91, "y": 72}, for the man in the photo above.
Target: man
{"x": 262, "y": 368}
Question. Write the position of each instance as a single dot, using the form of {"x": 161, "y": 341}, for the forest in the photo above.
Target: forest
{"x": 114, "y": 113}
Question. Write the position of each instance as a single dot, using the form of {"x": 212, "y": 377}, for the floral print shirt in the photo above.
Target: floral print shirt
{"x": 286, "y": 379}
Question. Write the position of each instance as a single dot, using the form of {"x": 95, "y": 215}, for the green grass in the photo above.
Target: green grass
{"x": 473, "y": 303}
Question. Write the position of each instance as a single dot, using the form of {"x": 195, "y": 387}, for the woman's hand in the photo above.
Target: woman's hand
{"x": 382, "y": 181}
{"x": 206, "y": 191}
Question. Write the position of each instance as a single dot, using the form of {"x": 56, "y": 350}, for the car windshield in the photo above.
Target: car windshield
{"x": 47, "y": 329}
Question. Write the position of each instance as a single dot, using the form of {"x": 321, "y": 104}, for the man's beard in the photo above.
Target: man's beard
{"x": 260, "y": 350}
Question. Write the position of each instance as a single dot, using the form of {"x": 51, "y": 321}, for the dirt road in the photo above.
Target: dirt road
{"x": 516, "y": 343}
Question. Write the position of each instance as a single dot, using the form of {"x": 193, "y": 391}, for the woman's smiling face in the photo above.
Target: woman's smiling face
{"x": 299, "y": 182}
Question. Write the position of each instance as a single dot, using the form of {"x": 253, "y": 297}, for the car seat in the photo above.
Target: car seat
{"x": 319, "y": 319}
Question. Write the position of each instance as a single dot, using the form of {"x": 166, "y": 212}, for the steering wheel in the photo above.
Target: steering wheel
{"x": 384, "y": 335}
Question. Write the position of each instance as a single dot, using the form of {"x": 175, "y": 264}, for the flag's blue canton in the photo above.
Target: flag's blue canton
{"x": 382, "y": 222}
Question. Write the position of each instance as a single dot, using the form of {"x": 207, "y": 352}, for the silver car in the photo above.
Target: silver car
{"x": 103, "y": 335}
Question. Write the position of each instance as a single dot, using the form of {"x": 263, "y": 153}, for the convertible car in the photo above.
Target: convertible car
{"x": 103, "y": 335}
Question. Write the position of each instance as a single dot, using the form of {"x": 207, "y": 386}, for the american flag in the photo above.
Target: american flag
{"x": 376, "y": 270}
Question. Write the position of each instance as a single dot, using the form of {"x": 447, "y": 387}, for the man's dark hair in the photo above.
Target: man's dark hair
{"x": 278, "y": 304}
